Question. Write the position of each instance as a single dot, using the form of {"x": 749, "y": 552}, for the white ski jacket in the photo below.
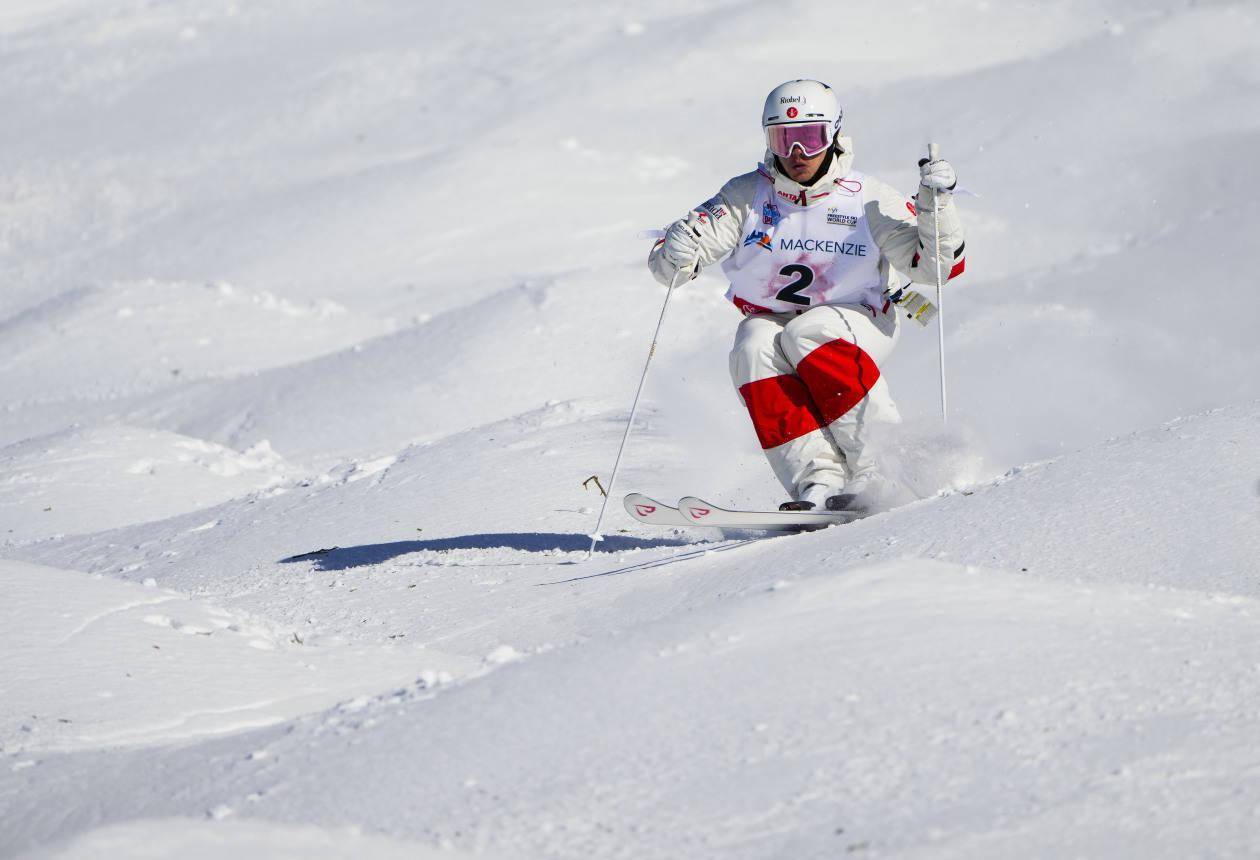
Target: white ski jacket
{"x": 902, "y": 229}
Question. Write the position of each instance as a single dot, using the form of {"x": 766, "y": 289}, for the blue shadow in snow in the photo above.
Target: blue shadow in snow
{"x": 342, "y": 558}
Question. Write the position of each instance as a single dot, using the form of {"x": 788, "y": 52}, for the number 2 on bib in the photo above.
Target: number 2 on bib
{"x": 804, "y": 276}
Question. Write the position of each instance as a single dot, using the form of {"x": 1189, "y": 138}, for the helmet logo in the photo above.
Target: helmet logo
{"x": 792, "y": 112}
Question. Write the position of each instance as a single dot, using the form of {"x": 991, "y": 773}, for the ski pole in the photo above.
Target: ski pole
{"x": 596, "y": 537}
{"x": 933, "y": 152}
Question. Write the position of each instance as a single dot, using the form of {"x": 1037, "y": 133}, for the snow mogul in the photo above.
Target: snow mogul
{"x": 813, "y": 250}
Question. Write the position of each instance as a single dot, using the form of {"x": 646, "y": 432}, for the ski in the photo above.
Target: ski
{"x": 652, "y": 512}
{"x": 698, "y": 512}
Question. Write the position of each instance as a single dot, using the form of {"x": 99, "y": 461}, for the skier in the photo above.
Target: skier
{"x": 812, "y": 251}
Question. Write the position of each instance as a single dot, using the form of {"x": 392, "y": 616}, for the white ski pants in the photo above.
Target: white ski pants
{"x": 811, "y": 383}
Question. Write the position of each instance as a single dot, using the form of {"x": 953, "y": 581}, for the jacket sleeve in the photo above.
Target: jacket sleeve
{"x": 718, "y": 221}
{"x": 903, "y": 230}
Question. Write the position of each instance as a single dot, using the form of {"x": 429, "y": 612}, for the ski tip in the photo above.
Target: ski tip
{"x": 650, "y": 511}
{"x": 639, "y": 505}
{"x": 696, "y": 509}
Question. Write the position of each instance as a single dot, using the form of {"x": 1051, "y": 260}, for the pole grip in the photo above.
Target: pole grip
{"x": 934, "y": 151}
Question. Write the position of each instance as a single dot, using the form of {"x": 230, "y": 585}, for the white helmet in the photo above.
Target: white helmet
{"x": 802, "y": 102}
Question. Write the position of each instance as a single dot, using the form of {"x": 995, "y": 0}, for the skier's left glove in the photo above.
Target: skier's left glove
{"x": 937, "y": 175}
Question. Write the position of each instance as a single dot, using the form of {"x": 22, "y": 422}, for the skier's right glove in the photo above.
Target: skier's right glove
{"x": 682, "y": 244}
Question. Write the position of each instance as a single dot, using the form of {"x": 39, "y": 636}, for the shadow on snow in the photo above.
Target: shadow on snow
{"x": 341, "y": 558}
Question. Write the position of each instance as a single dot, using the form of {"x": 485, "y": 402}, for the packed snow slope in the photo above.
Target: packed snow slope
{"x": 313, "y": 321}
{"x": 1016, "y": 669}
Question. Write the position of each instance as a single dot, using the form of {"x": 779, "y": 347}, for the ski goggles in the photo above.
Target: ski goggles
{"x": 811, "y": 137}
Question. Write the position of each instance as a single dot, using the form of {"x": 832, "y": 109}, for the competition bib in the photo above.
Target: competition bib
{"x": 792, "y": 258}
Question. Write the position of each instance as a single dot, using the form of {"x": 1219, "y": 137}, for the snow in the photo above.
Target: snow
{"x": 138, "y": 664}
{"x": 315, "y": 321}
{"x": 109, "y": 475}
{"x": 194, "y": 839}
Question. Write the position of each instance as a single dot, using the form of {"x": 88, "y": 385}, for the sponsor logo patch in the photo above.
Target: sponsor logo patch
{"x": 835, "y": 216}
{"x": 748, "y": 308}
{"x": 826, "y": 246}
{"x": 770, "y": 214}
{"x": 792, "y": 112}
{"x": 760, "y": 239}
{"x": 715, "y": 208}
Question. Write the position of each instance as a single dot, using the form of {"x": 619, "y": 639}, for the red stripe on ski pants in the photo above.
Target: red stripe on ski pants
{"x": 837, "y": 374}
{"x": 781, "y": 409}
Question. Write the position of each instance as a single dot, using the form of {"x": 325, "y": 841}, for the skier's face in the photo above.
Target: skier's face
{"x": 801, "y": 167}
